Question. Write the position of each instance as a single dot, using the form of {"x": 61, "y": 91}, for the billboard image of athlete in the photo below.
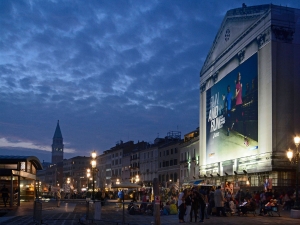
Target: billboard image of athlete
{"x": 232, "y": 114}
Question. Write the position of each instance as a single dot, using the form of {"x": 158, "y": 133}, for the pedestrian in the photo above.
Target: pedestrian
{"x": 181, "y": 205}
{"x": 4, "y": 192}
{"x": 203, "y": 201}
{"x": 58, "y": 197}
{"x": 188, "y": 204}
{"x": 219, "y": 201}
{"x": 195, "y": 205}
{"x": 211, "y": 201}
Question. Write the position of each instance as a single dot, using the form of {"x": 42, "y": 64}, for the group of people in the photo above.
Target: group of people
{"x": 192, "y": 202}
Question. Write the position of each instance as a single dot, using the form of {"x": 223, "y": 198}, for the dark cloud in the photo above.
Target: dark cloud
{"x": 108, "y": 70}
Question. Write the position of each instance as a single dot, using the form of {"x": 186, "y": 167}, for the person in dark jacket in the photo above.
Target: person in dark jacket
{"x": 4, "y": 192}
{"x": 195, "y": 206}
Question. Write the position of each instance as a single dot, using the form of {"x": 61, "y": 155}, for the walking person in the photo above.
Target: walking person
{"x": 4, "y": 192}
{"x": 181, "y": 205}
{"x": 211, "y": 201}
{"x": 195, "y": 205}
{"x": 188, "y": 204}
{"x": 203, "y": 201}
{"x": 58, "y": 197}
{"x": 219, "y": 201}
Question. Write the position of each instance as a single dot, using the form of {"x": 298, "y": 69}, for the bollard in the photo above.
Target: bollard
{"x": 157, "y": 202}
{"x": 37, "y": 212}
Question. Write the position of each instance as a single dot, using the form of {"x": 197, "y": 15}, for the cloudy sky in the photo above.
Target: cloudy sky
{"x": 107, "y": 70}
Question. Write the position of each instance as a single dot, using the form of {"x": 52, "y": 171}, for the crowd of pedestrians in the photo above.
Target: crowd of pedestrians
{"x": 201, "y": 203}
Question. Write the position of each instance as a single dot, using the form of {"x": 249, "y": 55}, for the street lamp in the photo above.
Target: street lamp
{"x": 295, "y": 159}
{"x": 94, "y": 163}
{"x": 88, "y": 174}
{"x": 137, "y": 178}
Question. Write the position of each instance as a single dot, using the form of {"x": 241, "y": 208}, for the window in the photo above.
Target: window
{"x": 171, "y": 177}
{"x": 113, "y": 155}
{"x": 175, "y": 177}
{"x": 171, "y": 151}
{"x": 159, "y": 178}
{"x": 164, "y": 163}
{"x": 120, "y": 161}
{"x": 171, "y": 162}
{"x": 175, "y": 150}
{"x": 167, "y": 163}
{"x": 159, "y": 154}
{"x": 116, "y": 154}
{"x": 160, "y": 165}
{"x": 167, "y": 152}
{"x": 175, "y": 162}
{"x": 152, "y": 154}
{"x": 145, "y": 155}
{"x": 164, "y": 153}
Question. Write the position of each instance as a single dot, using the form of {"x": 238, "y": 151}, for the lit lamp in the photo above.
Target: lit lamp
{"x": 88, "y": 174}
{"x": 137, "y": 178}
{"x": 94, "y": 163}
{"x": 295, "y": 159}
{"x": 118, "y": 181}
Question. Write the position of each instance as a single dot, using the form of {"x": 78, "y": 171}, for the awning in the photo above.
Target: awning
{"x": 126, "y": 185}
{"x": 197, "y": 182}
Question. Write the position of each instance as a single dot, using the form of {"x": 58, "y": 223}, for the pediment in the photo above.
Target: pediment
{"x": 236, "y": 24}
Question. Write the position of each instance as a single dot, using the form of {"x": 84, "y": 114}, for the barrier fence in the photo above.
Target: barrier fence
{"x": 85, "y": 212}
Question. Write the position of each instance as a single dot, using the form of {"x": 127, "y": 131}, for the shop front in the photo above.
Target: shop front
{"x": 18, "y": 174}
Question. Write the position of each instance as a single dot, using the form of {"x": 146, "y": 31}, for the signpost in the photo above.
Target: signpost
{"x": 157, "y": 202}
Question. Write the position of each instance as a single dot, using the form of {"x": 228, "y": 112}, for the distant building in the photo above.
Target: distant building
{"x": 189, "y": 158}
{"x": 168, "y": 160}
{"x": 57, "y": 146}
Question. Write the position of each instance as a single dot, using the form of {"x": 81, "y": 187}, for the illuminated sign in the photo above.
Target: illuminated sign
{"x": 232, "y": 114}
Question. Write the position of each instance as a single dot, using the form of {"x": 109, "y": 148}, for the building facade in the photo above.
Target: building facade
{"x": 249, "y": 97}
{"x": 189, "y": 158}
{"x": 168, "y": 160}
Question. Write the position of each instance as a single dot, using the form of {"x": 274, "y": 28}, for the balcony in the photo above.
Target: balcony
{"x": 184, "y": 161}
{"x": 134, "y": 158}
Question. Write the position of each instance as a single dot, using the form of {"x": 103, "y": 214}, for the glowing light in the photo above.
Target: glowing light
{"x": 289, "y": 154}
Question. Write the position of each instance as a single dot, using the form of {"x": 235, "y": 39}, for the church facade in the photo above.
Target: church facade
{"x": 249, "y": 98}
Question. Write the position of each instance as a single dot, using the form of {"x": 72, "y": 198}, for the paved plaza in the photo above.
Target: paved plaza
{"x": 74, "y": 212}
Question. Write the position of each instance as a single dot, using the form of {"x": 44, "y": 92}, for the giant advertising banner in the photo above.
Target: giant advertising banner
{"x": 232, "y": 114}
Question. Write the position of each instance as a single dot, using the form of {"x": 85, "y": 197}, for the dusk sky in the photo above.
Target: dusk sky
{"x": 107, "y": 70}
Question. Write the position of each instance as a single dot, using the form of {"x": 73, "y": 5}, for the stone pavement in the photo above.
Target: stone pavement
{"x": 74, "y": 211}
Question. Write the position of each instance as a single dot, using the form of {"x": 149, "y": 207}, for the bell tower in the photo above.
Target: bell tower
{"x": 57, "y": 146}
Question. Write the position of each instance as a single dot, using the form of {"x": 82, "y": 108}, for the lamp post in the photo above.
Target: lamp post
{"x": 137, "y": 178}
{"x": 88, "y": 174}
{"x": 94, "y": 163}
{"x": 295, "y": 159}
